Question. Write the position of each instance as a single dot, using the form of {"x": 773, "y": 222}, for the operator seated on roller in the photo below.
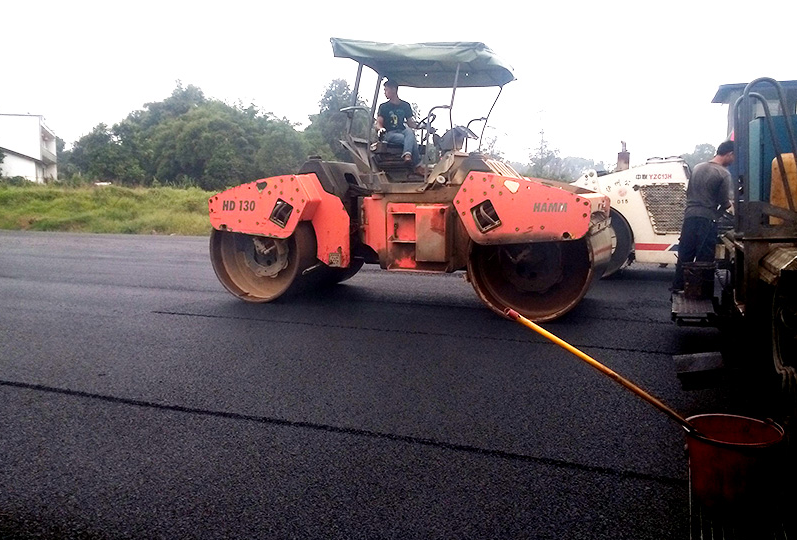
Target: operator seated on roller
{"x": 391, "y": 128}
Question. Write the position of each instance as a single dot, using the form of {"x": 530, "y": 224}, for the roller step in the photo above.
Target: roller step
{"x": 688, "y": 311}
{"x": 700, "y": 370}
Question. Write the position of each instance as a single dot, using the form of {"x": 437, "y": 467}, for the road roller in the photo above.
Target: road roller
{"x": 531, "y": 245}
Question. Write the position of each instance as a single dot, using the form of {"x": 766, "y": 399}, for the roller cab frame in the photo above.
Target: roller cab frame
{"x": 531, "y": 245}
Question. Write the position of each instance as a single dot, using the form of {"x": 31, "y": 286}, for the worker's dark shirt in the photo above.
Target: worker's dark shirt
{"x": 708, "y": 193}
{"x": 395, "y": 115}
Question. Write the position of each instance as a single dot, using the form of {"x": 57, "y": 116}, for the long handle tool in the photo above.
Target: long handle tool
{"x": 514, "y": 315}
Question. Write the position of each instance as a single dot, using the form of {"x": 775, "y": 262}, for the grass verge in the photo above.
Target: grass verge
{"x": 105, "y": 209}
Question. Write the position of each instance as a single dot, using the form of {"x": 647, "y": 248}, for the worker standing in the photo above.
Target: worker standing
{"x": 707, "y": 198}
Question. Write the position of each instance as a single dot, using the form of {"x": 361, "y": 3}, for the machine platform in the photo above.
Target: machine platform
{"x": 688, "y": 311}
{"x": 700, "y": 370}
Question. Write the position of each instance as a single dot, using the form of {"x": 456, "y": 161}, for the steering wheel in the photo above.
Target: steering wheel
{"x": 426, "y": 122}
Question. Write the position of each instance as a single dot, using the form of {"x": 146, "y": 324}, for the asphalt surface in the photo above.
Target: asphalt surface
{"x": 141, "y": 400}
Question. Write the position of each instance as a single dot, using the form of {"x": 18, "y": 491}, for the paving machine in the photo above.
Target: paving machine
{"x": 530, "y": 245}
{"x": 756, "y": 267}
{"x": 750, "y": 293}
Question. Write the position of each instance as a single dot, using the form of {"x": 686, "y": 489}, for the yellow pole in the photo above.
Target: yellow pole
{"x": 514, "y": 315}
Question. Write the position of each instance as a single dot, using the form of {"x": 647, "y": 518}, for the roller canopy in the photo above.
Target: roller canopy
{"x": 429, "y": 65}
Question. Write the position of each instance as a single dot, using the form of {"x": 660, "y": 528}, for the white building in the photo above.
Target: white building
{"x": 28, "y": 146}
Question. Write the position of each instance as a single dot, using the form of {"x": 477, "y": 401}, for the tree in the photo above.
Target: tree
{"x": 328, "y": 127}
{"x": 189, "y": 140}
{"x": 101, "y": 156}
{"x": 208, "y": 146}
{"x": 66, "y": 166}
{"x": 217, "y": 145}
{"x": 282, "y": 149}
{"x": 546, "y": 163}
{"x": 489, "y": 149}
{"x": 573, "y": 167}
{"x": 179, "y": 103}
{"x": 123, "y": 153}
{"x": 137, "y": 130}
{"x": 703, "y": 152}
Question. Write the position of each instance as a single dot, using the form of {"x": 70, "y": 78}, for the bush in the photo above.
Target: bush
{"x": 18, "y": 181}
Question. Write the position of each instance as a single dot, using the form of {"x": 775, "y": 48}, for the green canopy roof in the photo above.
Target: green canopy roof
{"x": 428, "y": 65}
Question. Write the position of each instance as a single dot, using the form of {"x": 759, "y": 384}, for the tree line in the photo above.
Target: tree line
{"x": 190, "y": 140}
{"x": 545, "y": 162}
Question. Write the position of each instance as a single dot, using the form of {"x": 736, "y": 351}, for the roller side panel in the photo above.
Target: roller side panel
{"x": 273, "y": 207}
{"x": 501, "y": 210}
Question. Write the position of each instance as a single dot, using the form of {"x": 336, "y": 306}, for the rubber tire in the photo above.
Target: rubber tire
{"x": 333, "y": 276}
{"x": 342, "y": 274}
{"x": 624, "y": 243}
{"x": 784, "y": 340}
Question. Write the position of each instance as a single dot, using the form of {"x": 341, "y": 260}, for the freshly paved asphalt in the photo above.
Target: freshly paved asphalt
{"x": 141, "y": 400}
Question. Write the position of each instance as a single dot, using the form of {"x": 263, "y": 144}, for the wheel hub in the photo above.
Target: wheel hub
{"x": 532, "y": 268}
{"x": 269, "y": 256}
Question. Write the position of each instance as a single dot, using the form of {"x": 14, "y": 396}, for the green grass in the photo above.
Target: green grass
{"x": 105, "y": 209}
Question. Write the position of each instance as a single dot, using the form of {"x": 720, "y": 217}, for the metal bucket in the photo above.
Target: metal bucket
{"x": 735, "y": 462}
{"x": 699, "y": 280}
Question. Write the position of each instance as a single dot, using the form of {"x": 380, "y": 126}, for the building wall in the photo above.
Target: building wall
{"x": 14, "y": 165}
{"x": 29, "y": 147}
{"x": 21, "y": 134}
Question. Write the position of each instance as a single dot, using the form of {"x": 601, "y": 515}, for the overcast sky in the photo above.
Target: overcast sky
{"x": 589, "y": 73}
